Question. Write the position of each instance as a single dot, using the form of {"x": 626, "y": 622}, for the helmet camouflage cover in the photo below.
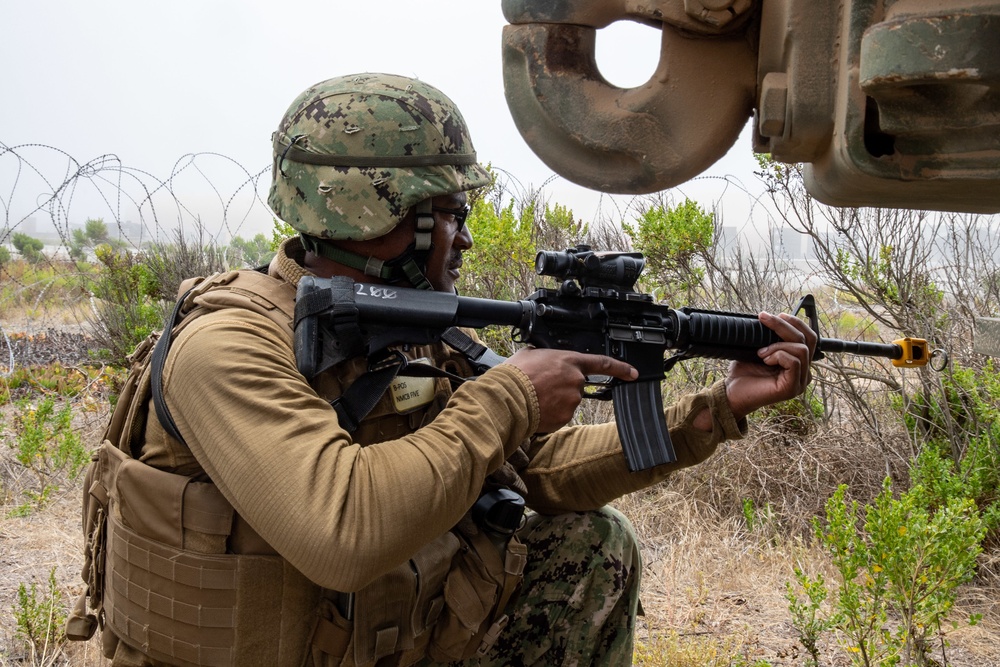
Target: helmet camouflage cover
{"x": 352, "y": 154}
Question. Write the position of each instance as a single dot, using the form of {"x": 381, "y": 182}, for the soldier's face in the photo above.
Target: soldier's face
{"x": 449, "y": 242}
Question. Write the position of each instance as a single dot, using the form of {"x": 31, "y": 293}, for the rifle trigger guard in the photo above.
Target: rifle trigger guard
{"x": 674, "y": 359}
{"x": 598, "y": 387}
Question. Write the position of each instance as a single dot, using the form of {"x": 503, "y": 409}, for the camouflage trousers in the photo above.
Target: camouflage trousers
{"x": 578, "y": 603}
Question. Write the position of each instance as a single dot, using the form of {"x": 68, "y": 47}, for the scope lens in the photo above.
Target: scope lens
{"x": 552, "y": 263}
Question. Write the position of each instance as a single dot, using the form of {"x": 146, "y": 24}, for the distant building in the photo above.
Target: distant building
{"x": 727, "y": 241}
{"x": 812, "y": 251}
{"x": 786, "y": 243}
{"x": 127, "y": 231}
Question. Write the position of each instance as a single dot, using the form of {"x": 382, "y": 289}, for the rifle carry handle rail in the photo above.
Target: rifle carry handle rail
{"x": 595, "y": 310}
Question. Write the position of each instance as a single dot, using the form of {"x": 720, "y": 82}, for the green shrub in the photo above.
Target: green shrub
{"x": 126, "y": 312}
{"x": 902, "y": 558}
{"x": 243, "y": 253}
{"x": 960, "y": 430}
{"x": 46, "y": 444}
{"x": 39, "y": 619}
{"x": 673, "y": 240}
{"x": 138, "y": 289}
{"x": 280, "y": 231}
{"x": 29, "y": 247}
{"x": 807, "y": 618}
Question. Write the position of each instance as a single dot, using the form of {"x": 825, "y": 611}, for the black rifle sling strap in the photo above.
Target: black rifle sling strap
{"x": 160, "y": 351}
{"x": 361, "y": 397}
{"x": 156, "y": 371}
{"x": 481, "y": 357}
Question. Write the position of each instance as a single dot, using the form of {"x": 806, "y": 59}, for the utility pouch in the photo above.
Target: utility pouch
{"x": 476, "y": 592}
{"x": 380, "y": 629}
{"x": 141, "y": 576}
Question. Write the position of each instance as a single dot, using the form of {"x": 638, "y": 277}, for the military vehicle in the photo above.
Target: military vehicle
{"x": 892, "y": 103}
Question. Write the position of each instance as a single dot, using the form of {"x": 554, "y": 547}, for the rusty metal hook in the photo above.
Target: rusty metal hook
{"x": 628, "y": 141}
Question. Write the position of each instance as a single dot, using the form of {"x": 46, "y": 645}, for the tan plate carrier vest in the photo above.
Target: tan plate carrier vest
{"x": 246, "y": 605}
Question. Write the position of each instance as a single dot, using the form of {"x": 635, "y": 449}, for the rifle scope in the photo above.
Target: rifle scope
{"x": 608, "y": 270}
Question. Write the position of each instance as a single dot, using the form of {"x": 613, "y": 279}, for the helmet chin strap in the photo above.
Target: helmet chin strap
{"x": 407, "y": 267}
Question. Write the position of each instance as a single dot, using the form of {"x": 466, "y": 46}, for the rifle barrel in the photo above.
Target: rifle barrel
{"x": 887, "y": 350}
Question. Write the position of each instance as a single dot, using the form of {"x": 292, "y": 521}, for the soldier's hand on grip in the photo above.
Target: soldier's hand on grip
{"x": 559, "y": 378}
{"x": 786, "y": 370}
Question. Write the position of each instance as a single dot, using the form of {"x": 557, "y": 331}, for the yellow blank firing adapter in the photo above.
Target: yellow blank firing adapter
{"x": 913, "y": 352}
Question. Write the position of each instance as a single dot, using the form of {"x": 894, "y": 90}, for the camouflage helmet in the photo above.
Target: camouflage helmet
{"x": 352, "y": 154}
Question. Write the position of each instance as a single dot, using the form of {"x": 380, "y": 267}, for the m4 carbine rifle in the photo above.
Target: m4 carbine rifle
{"x": 595, "y": 310}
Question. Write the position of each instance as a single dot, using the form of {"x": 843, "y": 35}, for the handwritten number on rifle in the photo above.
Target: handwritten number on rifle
{"x": 375, "y": 291}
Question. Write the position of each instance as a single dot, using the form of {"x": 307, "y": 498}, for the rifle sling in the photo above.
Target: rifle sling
{"x": 160, "y": 351}
{"x": 481, "y": 357}
{"x": 159, "y": 358}
{"x": 361, "y": 397}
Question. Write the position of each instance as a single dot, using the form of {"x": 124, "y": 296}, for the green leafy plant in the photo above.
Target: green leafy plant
{"x": 39, "y": 618}
{"x": 880, "y": 273}
{"x": 959, "y": 425}
{"x": 508, "y": 235}
{"x": 807, "y": 615}
{"x": 903, "y": 558}
{"x": 46, "y": 443}
{"x": 861, "y": 606}
{"x": 248, "y": 253}
{"x": 280, "y": 231}
{"x": 93, "y": 234}
{"x": 126, "y": 311}
{"x": 672, "y": 240}
{"x": 29, "y": 247}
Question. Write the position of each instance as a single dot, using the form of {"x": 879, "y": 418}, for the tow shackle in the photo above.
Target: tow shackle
{"x": 635, "y": 140}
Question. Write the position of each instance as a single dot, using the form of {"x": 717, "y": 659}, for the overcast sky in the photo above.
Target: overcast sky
{"x": 151, "y": 82}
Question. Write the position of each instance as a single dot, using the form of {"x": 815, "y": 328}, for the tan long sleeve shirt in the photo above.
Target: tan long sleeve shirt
{"x": 342, "y": 513}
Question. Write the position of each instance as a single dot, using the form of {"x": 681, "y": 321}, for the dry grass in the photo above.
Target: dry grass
{"x": 714, "y": 591}
{"x": 51, "y": 293}
{"x": 30, "y": 548}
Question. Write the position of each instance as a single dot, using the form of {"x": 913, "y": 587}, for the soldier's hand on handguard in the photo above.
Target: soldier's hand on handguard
{"x": 559, "y": 378}
{"x": 785, "y": 372}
